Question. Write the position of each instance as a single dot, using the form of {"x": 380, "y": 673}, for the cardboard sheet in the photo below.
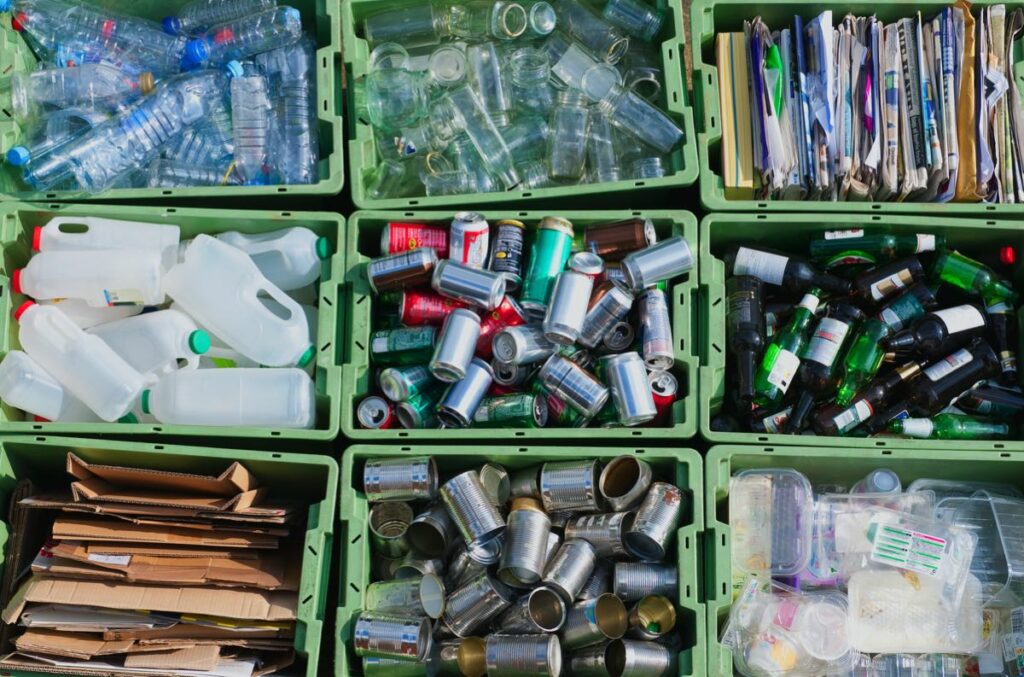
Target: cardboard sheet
{"x": 274, "y": 513}
{"x": 191, "y": 658}
{"x": 93, "y": 529}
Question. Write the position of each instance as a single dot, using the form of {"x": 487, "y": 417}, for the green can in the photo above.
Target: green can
{"x": 400, "y": 383}
{"x": 405, "y": 345}
{"x": 525, "y": 410}
{"x": 552, "y": 245}
{"x": 559, "y": 413}
{"x": 420, "y": 410}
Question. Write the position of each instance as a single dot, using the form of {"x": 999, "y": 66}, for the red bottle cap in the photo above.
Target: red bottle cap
{"x": 22, "y": 308}
{"x": 1008, "y": 255}
{"x": 40, "y": 419}
{"x": 37, "y": 237}
{"x": 18, "y": 21}
{"x": 16, "y": 281}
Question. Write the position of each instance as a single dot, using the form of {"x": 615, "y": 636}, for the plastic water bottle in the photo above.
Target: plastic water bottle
{"x": 292, "y": 74}
{"x": 175, "y": 174}
{"x": 100, "y": 277}
{"x": 85, "y": 316}
{"x": 156, "y": 343}
{"x": 197, "y": 16}
{"x": 219, "y": 286}
{"x": 25, "y": 385}
{"x": 86, "y": 366}
{"x": 56, "y": 129}
{"x": 97, "y": 159}
{"x": 289, "y": 258}
{"x": 92, "y": 86}
{"x": 267, "y": 398}
{"x": 250, "y": 117}
{"x": 204, "y": 144}
{"x": 81, "y": 233}
{"x": 245, "y": 37}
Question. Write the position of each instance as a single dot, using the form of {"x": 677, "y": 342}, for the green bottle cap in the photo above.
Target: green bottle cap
{"x": 323, "y": 248}
{"x": 145, "y": 401}
{"x": 307, "y": 357}
{"x": 199, "y": 342}
{"x": 128, "y": 418}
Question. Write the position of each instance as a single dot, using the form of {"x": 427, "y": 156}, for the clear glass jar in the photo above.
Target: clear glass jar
{"x": 477, "y": 20}
{"x": 602, "y": 163}
{"x": 567, "y": 146}
{"x": 395, "y": 96}
{"x": 487, "y": 78}
{"x": 607, "y": 42}
{"x": 529, "y": 71}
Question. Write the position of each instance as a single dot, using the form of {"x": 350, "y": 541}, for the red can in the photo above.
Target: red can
{"x": 402, "y": 237}
{"x": 664, "y": 387}
{"x": 508, "y": 314}
{"x": 498, "y": 389}
{"x": 418, "y": 308}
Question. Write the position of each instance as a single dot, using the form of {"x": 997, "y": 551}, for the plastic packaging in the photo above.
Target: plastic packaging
{"x": 156, "y": 343}
{"x": 290, "y": 258}
{"x": 27, "y": 386}
{"x": 100, "y": 277}
{"x": 998, "y": 560}
{"x": 292, "y": 74}
{"x": 250, "y": 120}
{"x": 71, "y": 233}
{"x": 85, "y": 316}
{"x": 772, "y": 519}
{"x": 244, "y": 37}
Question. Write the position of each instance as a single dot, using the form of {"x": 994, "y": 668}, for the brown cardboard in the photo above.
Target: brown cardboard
{"x": 91, "y": 529}
{"x": 101, "y": 548}
{"x": 198, "y": 632}
{"x": 269, "y": 514}
{"x": 247, "y": 604}
{"x": 73, "y": 645}
{"x": 192, "y": 658}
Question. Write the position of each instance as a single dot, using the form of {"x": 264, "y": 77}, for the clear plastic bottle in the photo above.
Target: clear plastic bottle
{"x": 250, "y": 116}
{"x": 156, "y": 343}
{"x": 292, "y": 74}
{"x": 529, "y": 72}
{"x": 602, "y": 162}
{"x": 582, "y": 24}
{"x": 460, "y": 109}
{"x": 173, "y": 174}
{"x": 567, "y": 146}
{"x": 204, "y": 144}
{"x": 59, "y": 129}
{"x": 90, "y": 86}
{"x": 289, "y": 258}
{"x": 86, "y": 366}
{"x": 265, "y": 398}
{"x": 100, "y": 277}
{"x": 219, "y": 286}
{"x": 245, "y": 37}
{"x": 488, "y": 80}
{"x": 197, "y": 16}
{"x": 85, "y": 316}
{"x": 628, "y": 111}
{"x": 635, "y": 17}
{"x": 27, "y": 386}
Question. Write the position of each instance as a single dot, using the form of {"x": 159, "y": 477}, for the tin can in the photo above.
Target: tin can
{"x": 624, "y": 482}
{"x": 600, "y": 581}
{"x": 522, "y": 344}
{"x": 422, "y": 596}
{"x": 507, "y": 252}
{"x": 656, "y": 522}
{"x": 631, "y": 391}
{"x": 475, "y": 603}
{"x": 375, "y": 413}
{"x": 632, "y": 581}
{"x": 398, "y": 237}
{"x": 619, "y": 337}
{"x": 652, "y": 617}
{"x": 662, "y": 261}
{"x": 414, "y": 565}
{"x": 588, "y": 263}
{"x": 609, "y": 305}
{"x": 405, "y": 345}
{"x": 402, "y": 270}
{"x": 569, "y": 300}
{"x": 664, "y": 387}
{"x": 518, "y": 410}
{"x": 570, "y": 486}
{"x": 420, "y": 410}
{"x": 477, "y": 519}
{"x": 526, "y": 544}
{"x": 549, "y": 252}
{"x": 511, "y": 375}
{"x": 560, "y": 414}
{"x": 455, "y": 346}
{"x": 595, "y": 621}
{"x": 388, "y": 523}
{"x": 604, "y": 531}
{"x": 387, "y": 636}
{"x": 573, "y": 384}
{"x": 480, "y": 288}
{"x": 570, "y": 569}
{"x": 613, "y": 241}
{"x": 534, "y": 655}
{"x": 417, "y": 308}
{"x": 432, "y": 532}
{"x": 459, "y": 404}
{"x": 538, "y": 611}
{"x": 496, "y": 484}
{"x": 656, "y": 330}
{"x": 400, "y": 479}
{"x": 400, "y": 383}
{"x": 469, "y": 239}
{"x": 508, "y": 314}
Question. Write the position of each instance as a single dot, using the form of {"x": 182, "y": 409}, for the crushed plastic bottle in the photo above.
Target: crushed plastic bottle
{"x": 174, "y": 174}
{"x": 291, "y": 71}
{"x": 250, "y": 116}
{"x": 245, "y": 37}
{"x": 197, "y": 16}
{"x": 90, "y": 86}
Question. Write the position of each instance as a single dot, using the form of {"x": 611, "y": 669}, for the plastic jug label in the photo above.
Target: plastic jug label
{"x": 947, "y": 366}
{"x": 784, "y": 369}
{"x": 827, "y": 339}
{"x": 911, "y": 550}
{"x": 123, "y": 297}
{"x": 763, "y": 265}
{"x": 961, "y": 318}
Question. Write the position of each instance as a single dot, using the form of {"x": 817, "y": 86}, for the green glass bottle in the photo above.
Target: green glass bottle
{"x": 956, "y": 269}
{"x": 782, "y": 356}
{"x": 855, "y": 247}
{"x": 949, "y": 427}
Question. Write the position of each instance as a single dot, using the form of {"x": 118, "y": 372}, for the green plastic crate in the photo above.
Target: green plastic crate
{"x": 792, "y": 233}
{"x": 320, "y": 18}
{"x": 364, "y": 244}
{"x": 709, "y": 17}
{"x": 681, "y": 467}
{"x": 672, "y": 99}
{"x": 17, "y": 221}
{"x": 822, "y": 466}
{"x": 309, "y": 478}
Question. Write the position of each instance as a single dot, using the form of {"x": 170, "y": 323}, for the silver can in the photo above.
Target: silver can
{"x": 588, "y": 263}
{"x": 599, "y": 582}
{"x": 633, "y": 581}
{"x": 468, "y": 239}
{"x": 526, "y": 544}
{"x": 474, "y": 515}
{"x": 375, "y": 413}
{"x": 656, "y": 330}
{"x": 624, "y": 482}
{"x": 595, "y": 661}
{"x": 570, "y": 569}
{"x": 421, "y": 596}
{"x": 495, "y": 481}
{"x": 476, "y": 603}
{"x": 525, "y": 482}
{"x": 480, "y": 288}
{"x": 388, "y": 636}
{"x": 604, "y": 531}
{"x": 595, "y": 621}
{"x": 624, "y": 657}
{"x": 554, "y": 543}
{"x": 461, "y": 399}
{"x": 388, "y": 524}
{"x": 523, "y": 655}
{"x": 413, "y": 565}
{"x": 402, "y": 270}
{"x": 509, "y": 374}
{"x": 455, "y": 346}
{"x": 400, "y": 479}
{"x": 656, "y": 522}
{"x": 432, "y": 532}
{"x": 575, "y": 385}
{"x": 570, "y": 486}
{"x": 522, "y": 344}
{"x": 662, "y": 261}
{"x": 540, "y": 610}
{"x": 462, "y": 568}
{"x": 567, "y": 308}
{"x": 631, "y": 391}
{"x": 619, "y": 337}
{"x": 652, "y": 617}
{"x": 609, "y": 305}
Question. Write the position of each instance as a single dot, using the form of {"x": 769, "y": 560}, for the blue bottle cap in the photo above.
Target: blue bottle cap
{"x": 171, "y": 24}
{"x": 234, "y": 68}
{"x": 18, "y": 156}
{"x": 197, "y": 51}
{"x": 5, "y": 5}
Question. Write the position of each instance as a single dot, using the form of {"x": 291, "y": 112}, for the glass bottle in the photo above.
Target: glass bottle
{"x": 956, "y": 269}
{"x": 949, "y": 427}
{"x": 488, "y": 80}
{"x": 567, "y": 147}
{"x": 789, "y": 272}
{"x": 1003, "y": 320}
{"x": 418, "y": 25}
{"x": 946, "y": 378}
{"x": 782, "y": 356}
{"x": 628, "y": 111}
{"x": 744, "y": 329}
{"x": 992, "y": 402}
{"x": 845, "y": 247}
{"x": 882, "y": 282}
{"x": 939, "y": 332}
{"x": 837, "y": 420}
{"x": 606, "y": 41}
{"x": 635, "y": 17}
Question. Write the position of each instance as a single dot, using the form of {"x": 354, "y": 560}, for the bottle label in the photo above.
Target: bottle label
{"x": 844, "y": 234}
{"x": 853, "y": 416}
{"x": 918, "y": 427}
{"x": 925, "y": 243}
{"x": 901, "y": 311}
{"x": 961, "y": 318}
{"x": 1007, "y": 360}
{"x": 827, "y": 340}
{"x": 784, "y": 369}
{"x": 888, "y": 286}
{"x": 810, "y": 302}
{"x": 123, "y": 297}
{"x": 774, "y": 423}
{"x": 947, "y": 366}
{"x": 763, "y": 265}
{"x": 905, "y": 549}
{"x": 401, "y": 339}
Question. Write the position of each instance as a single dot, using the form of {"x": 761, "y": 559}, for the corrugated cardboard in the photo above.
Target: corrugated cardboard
{"x": 101, "y": 548}
{"x": 276, "y": 513}
{"x": 192, "y": 658}
{"x": 245, "y": 604}
{"x": 91, "y": 529}
{"x": 112, "y": 667}
{"x": 198, "y": 632}
{"x": 73, "y": 645}
{"x": 233, "y": 489}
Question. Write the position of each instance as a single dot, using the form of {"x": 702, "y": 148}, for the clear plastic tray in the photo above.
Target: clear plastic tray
{"x": 998, "y": 561}
{"x": 964, "y": 489}
{"x": 771, "y": 514}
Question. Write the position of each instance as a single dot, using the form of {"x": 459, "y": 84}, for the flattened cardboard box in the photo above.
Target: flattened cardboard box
{"x": 90, "y": 529}
{"x": 276, "y": 513}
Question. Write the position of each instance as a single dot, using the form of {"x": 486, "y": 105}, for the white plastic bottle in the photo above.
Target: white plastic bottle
{"x": 290, "y": 258}
{"x": 25, "y": 385}
{"x": 265, "y": 398}
{"x": 219, "y": 287}
{"x": 76, "y": 233}
{"x": 86, "y": 366}
{"x": 101, "y": 277}
{"x": 85, "y": 316}
{"x": 153, "y": 343}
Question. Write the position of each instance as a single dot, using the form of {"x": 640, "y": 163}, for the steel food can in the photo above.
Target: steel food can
{"x": 400, "y": 383}
{"x": 508, "y": 314}
{"x": 664, "y": 387}
{"x": 432, "y": 532}
{"x": 469, "y": 239}
{"x": 656, "y": 330}
{"x": 475, "y": 603}
{"x": 624, "y": 482}
{"x": 631, "y": 391}
{"x": 507, "y": 252}
{"x": 570, "y": 486}
{"x": 609, "y": 305}
{"x": 398, "y": 271}
{"x": 661, "y": 261}
{"x": 405, "y": 345}
{"x": 595, "y": 621}
{"x": 375, "y": 413}
{"x": 516, "y": 410}
{"x": 456, "y": 346}
{"x": 476, "y": 518}
{"x": 388, "y": 523}
{"x": 540, "y": 610}
{"x": 459, "y": 404}
{"x": 400, "y": 479}
{"x": 549, "y": 253}
{"x": 569, "y": 300}
{"x": 480, "y": 288}
{"x": 613, "y": 241}
{"x": 388, "y": 636}
{"x": 538, "y": 655}
{"x": 417, "y": 308}
{"x": 656, "y": 522}
{"x": 573, "y": 384}
{"x": 633, "y": 581}
{"x": 570, "y": 569}
{"x": 419, "y": 596}
{"x": 604, "y": 531}
{"x": 398, "y": 237}
{"x": 526, "y": 544}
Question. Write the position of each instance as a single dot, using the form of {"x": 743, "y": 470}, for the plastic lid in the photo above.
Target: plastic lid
{"x": 18, "y": 156}
{"x": 196, "y": 50}
{"x": 323, "y": 248}
{"x": 22, "y": 308}
{"x": 307, "y": 357}
{"x": 757, "y": 498}
{"x": 128, "y": 418}
{"x": 145, "y": 401}
{"x": 37, "y": 238}
{"x": 5, "y": 5}
{"x": 16, "y": 281}
{"x": 18, "y": 21}
{"x": 199, "y": 341}
{"x": 170, "y": 24}
{"x": 234, "y": 68}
